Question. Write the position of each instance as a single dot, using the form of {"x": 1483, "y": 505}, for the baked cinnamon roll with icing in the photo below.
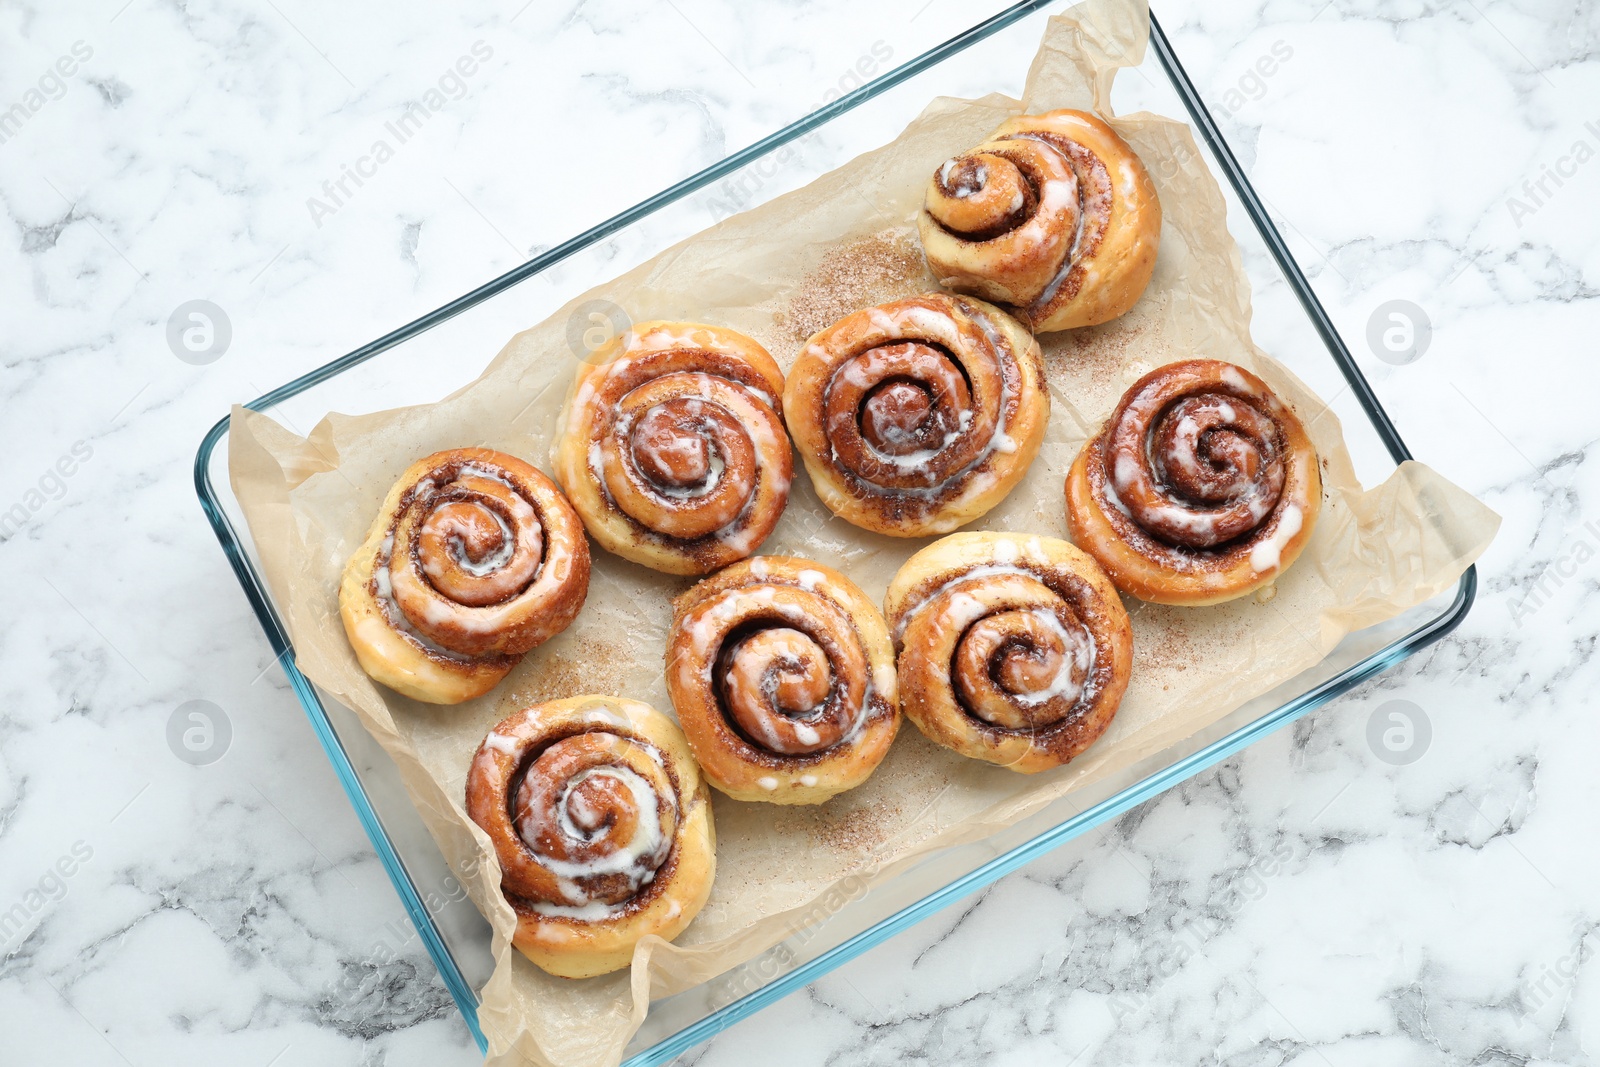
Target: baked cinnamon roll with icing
{"x": 1012, "y": 648}
{"x": 602, "y": 826}
{"x": 782, "y": 675}
{"x": 1053, "y": 217}
{"x": 1202, "y": 487}
{"x": 474, "y": 559}
{"x": 917, "y": 416}
{"x": 672, "y": 446}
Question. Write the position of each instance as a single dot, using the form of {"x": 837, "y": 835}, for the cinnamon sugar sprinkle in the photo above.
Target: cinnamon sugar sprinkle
{"x": 870, "y": 270}
{"x": 591, "y": 667}
{"x": 1100, "y": 354}
{"x": 1161, "y": 642}
{"x": 854, "y": 831}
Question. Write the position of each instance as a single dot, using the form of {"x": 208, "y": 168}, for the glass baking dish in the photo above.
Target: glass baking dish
{"x": 453, "y": 342}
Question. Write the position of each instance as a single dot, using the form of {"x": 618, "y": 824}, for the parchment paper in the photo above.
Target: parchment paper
{"x": 778, "y": 273}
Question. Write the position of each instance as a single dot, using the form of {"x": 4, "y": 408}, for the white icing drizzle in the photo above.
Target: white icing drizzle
{"x": 646, "y": 841}
{"x": 1266, "y": 555}
{"x": 921, "y": 458}
{"x": 589, "y": 911}
{"x": 882, "y": 321}
{"x": 1090, "y": 202}
{"x": 473, "y": 470}
{"x": 1057, "y": 194}
{"x": 967, "y": 187}
{"x": 603, "y": 716}
{"x": 964, "y": 609}
{"x": 737, "y": 534}
{"x": 635, "y": 859}
{"x": 522, "y": 533}
{"x": 1182, "y": 457}
{"x": 919, "y": 323}
{"x": 705, "y": 627}
{"x": 1062, "y": 685}
{"x": 968, "y": 604}
{"x": 490, "y": 563}
{"x": 384, "y": 588}
{"x": 380, "y": 571}
{"x": 883, "y": 680}
{"x": 501, "y": 743}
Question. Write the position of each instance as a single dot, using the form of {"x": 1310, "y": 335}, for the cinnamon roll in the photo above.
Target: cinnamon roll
{"x": 475, "y": 558}
{"x": 1202, "y": 486}
{"x": 602, "y": 826}
{"x": 1012, "y": 648}
{"x": 782, "y": 675}
{"x": 672, "y": 446}
{"x": 918, "y": 416}
{"x": 1054, "y": 217}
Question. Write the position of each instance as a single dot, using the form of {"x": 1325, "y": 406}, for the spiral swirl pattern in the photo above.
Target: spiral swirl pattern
{"x": 601, "y": 826}
{"x": 1202, "y": 486}
{"x": 1012, "y": 649}
{"x": 673, "y": 447}
{"x": 920, "y": 415}
{"x": 597, "y": 814}
{"x": 782, "y": 675}
{"x": 1054, "y": 217}
{"x": 475, "y": 558}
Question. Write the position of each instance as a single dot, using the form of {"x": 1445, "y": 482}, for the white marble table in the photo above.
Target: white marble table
{"x": 153, "y": 912}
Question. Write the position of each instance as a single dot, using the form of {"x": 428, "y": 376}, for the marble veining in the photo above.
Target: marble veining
{"x": 1305, "y": 902}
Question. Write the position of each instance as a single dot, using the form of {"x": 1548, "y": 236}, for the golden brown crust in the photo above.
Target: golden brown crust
{"x": 1054, "y": 217}
{"x": 1202, "y": 487}
{"x": 918, "y": 416}
{"x": 602, "y": 826}
{"x": 1012, "y": 648}
{"x": 672, "y": 446}
{"x": 782, "y": 675}
{"x": 474, "y": 558}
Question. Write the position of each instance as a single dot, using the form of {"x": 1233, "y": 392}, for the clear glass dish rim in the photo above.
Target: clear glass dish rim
{"x": 266, "y": 614}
